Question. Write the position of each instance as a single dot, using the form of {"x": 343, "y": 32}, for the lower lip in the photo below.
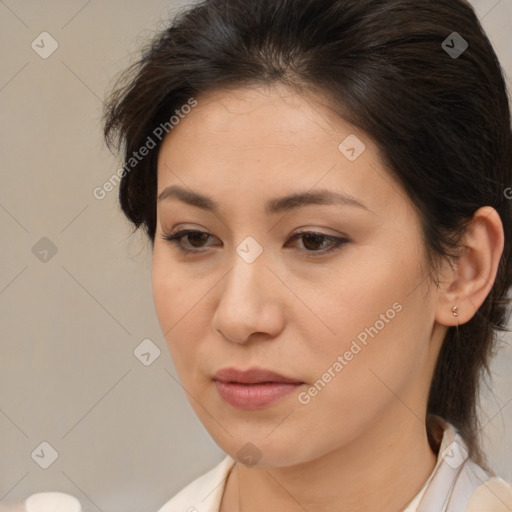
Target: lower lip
{"x": 254, "y": 396}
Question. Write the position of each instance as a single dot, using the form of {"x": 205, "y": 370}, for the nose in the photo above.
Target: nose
{"x": 249, "y": 305}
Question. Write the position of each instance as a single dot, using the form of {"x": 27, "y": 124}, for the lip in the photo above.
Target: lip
{"x": 254, "y": 388}
{"x": 252, "y": 376}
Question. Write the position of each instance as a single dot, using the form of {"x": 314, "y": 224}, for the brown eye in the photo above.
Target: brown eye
{"x": 195, "y": 240}
{"x": 313, "y": 242}
{"x": 319, "y": 243}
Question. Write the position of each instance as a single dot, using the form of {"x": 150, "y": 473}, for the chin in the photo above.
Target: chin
{"x": 255, "y": 447}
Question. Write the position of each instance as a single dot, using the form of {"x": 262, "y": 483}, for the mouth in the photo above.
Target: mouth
{"x": 254, "y": 388}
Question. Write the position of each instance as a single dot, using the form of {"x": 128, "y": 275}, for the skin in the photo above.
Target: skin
{"x": 360, "y": 443}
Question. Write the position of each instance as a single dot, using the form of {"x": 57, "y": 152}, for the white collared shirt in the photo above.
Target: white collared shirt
{"x": 456, "y": 484}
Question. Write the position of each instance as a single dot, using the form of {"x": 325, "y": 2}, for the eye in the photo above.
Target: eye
{"x": 318, "y": 243}
{"x": 314, "y": 243}
{"x": 196, "y": 240}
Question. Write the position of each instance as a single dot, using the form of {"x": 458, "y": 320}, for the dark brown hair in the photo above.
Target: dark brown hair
{"x": 440, "y": 120}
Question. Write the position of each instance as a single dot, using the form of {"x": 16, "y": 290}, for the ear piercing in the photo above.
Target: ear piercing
{"x": 454, "y": 311}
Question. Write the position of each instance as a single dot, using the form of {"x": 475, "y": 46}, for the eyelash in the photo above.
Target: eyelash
{"x": 175, "y": 239}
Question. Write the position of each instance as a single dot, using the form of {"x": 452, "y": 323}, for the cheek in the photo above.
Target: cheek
{"x": 356, "y": 383}
{"x": 375, "y": 322}
{"x": 380, "y": 349}
{"x": 175, "y": 294}
{"x": 166, "y": 290}
{"x": 180, "y": 305}
{"x": 363, "y": 299}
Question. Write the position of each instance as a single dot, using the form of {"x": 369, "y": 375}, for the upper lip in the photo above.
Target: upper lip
{"x": 251, "y": 376}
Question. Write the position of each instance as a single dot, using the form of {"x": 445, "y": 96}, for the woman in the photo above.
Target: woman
{"x": 324, "y": 184}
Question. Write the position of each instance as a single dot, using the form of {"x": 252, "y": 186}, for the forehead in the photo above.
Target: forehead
{"x": 268, "y": 141}
{"x": 266, "y": 116}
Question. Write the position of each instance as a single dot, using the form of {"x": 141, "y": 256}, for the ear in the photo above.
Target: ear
{"x": 469, "y": 282}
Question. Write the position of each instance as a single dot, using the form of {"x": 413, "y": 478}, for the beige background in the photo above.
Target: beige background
{"x": 125, "y": 435}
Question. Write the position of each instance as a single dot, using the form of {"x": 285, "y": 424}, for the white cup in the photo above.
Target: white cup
{"x": 52, "y": 502}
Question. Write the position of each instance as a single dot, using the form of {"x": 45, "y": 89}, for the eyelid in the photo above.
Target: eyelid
{"x": 314, "y": 231}
{"x": 306, "y": 230}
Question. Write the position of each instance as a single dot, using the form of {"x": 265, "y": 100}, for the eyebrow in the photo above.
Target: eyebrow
{"x": 274, "y": 206}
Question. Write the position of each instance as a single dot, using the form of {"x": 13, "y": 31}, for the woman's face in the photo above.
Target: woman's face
{"x": 344, "y": 315}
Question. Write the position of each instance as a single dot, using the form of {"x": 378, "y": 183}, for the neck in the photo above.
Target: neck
{"x": 382, "y": 469}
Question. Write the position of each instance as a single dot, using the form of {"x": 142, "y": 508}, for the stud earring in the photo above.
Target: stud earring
{"x": 454, "y": 311}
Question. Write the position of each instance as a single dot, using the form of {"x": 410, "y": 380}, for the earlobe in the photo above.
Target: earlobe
{"x": 473, "y": 275}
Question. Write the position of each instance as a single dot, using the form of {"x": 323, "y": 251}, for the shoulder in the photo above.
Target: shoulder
{"x": 204, "y": 493}
{"x": 494, "y": 495}
{"x": 458, "y": 483}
